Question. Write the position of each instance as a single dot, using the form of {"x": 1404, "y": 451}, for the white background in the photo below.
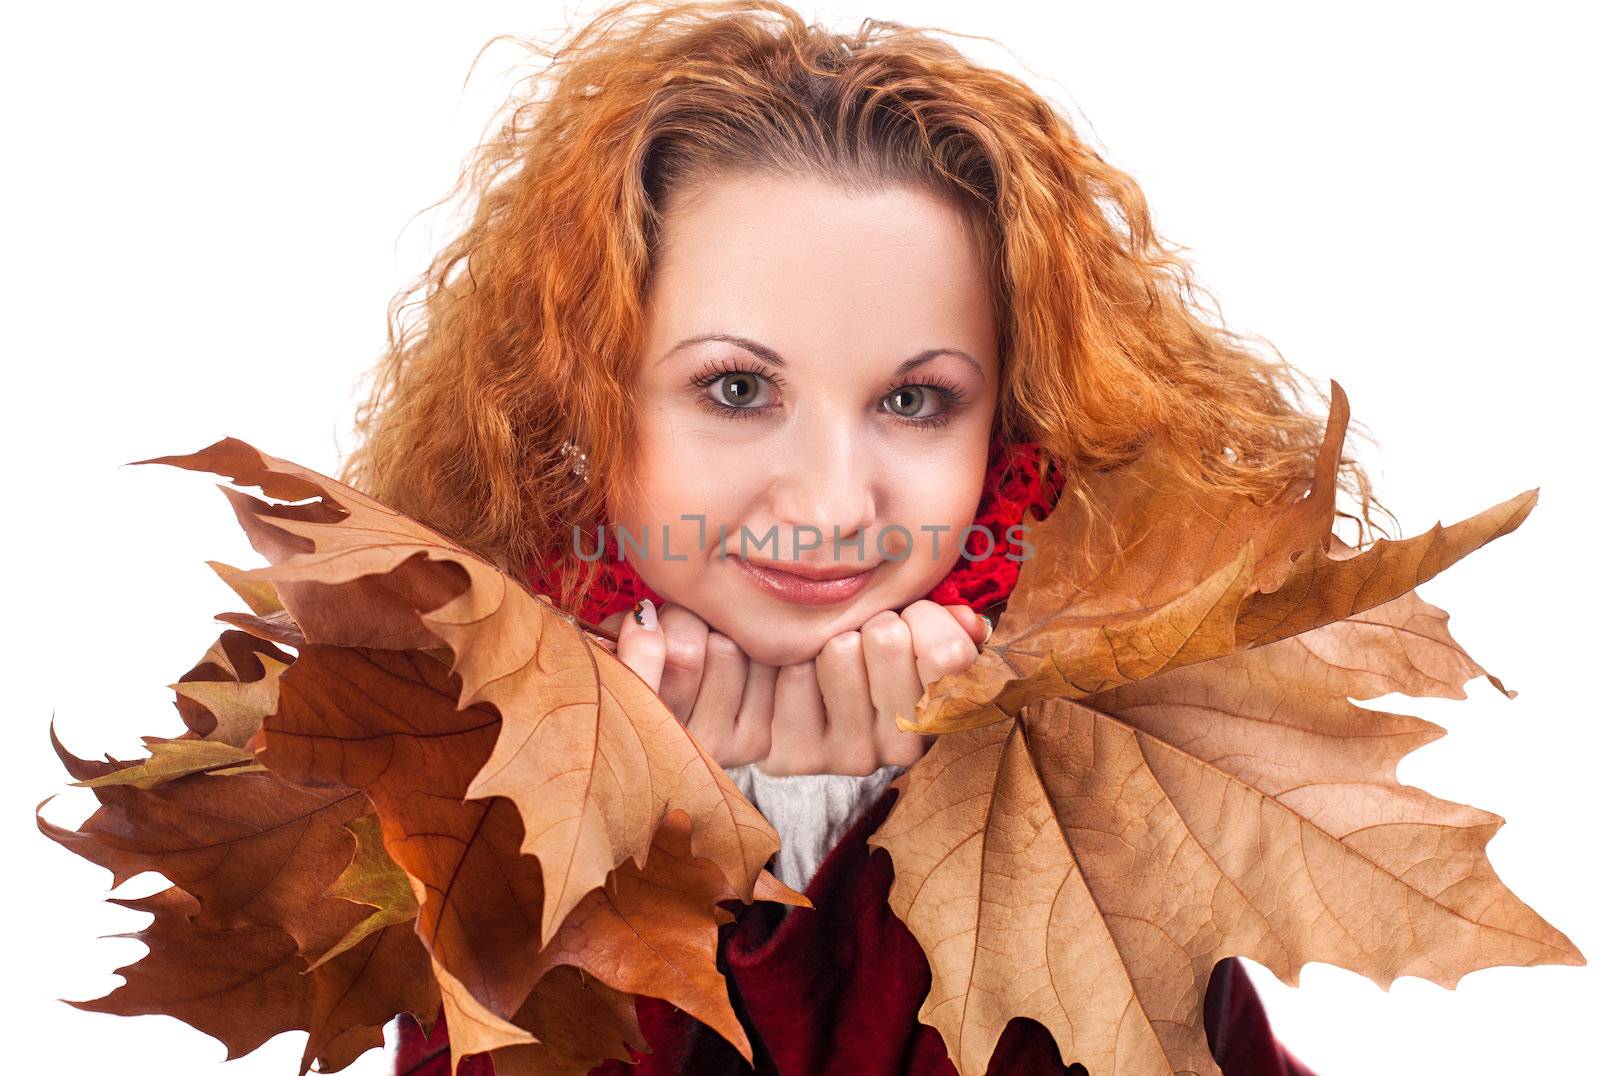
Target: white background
{"x": 207, "y": 209}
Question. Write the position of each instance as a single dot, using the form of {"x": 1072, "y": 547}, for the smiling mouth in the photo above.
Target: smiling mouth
{"x": 820, "y": 585}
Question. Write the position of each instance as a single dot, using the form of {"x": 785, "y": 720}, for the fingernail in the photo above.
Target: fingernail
{"x": 644, "y": 613}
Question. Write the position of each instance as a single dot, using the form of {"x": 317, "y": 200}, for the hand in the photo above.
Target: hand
{"x": 722, "y": 697}
{"x": 836, "y": 713}
{"x": 833, "y": 714}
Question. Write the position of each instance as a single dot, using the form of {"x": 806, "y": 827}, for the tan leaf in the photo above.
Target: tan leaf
{"x": 371, "y": 879}
{"x": 473, "y": 1028}
{"x": 1168, "y": 578}
{"x": 261, "y": 597}
{"x": 669, "y": 903}
{"x": 276, "y": 627}
{"x": 230, "y": 689}
{"x": 171, "y": 759}
{"x": 1086, "y": 861}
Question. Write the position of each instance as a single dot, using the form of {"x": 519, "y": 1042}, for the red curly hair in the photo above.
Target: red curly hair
{"x": 524, "y": 329}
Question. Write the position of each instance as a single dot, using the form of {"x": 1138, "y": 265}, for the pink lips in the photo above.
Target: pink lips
{"x": 803, "y": 589}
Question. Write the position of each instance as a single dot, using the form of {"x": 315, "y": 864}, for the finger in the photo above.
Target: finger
{"x": 941, "y": 644}
{"x": 847, "y": 702}
{"x": 797, "y": 723}
{"x": 641, "y": 646}
{"x": 716, "y": 707}
{"x": 752, "y": 728}
{"x": 893, "y": 682}
{"x": 971, "y": 621}
{"x": 686, "y": 659}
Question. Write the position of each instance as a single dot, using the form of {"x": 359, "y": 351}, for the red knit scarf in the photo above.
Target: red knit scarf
{"x": 982, "y": 576}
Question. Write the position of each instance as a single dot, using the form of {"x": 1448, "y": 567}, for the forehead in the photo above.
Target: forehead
{"x": 805, "y": 259}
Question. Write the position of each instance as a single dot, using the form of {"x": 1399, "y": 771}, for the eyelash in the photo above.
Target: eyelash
{"x": 951, "y": 393}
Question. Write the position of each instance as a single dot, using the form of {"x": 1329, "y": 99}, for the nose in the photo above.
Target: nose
{"x": 824, "y": 480}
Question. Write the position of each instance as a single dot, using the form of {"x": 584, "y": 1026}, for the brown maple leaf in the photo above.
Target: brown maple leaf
{"x": 386, "y": 722}
{"x": 243, "y": 985}
{"x": 452, "y": 786}
{"x": 266, "y": 915}
{"x": 649, "y": 931}
{"x": 1157, "y": 765}
{"x": 252, "y": 848}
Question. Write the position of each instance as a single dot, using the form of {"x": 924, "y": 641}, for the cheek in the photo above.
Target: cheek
{"x": 936, "y": 505}
{"x": 682, "y": 500}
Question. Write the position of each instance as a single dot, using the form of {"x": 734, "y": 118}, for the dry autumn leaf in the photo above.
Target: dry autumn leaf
{"x": 243, "y": 985}
{"x": 455, "y": 799}
{"x": 1166, "y": 578}
{"x": 588, "y": 753}
{"x": 173, "y": 758}
{"x": 386, "y": 722}
{"x": 229, "y": 690}
{"x": 360, "y": 805}
{"x": 233, "y": 947}
{"x": 1156, "y": 765}
{"x": 251, "y": 847}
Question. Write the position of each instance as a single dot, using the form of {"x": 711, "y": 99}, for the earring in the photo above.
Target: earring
{"x": 577, "y": 459}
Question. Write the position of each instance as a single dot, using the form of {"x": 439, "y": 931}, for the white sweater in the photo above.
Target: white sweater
{"x": 810, "y": 812}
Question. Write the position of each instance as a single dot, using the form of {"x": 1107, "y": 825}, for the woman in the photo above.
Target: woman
{"x": 782, "y": 312}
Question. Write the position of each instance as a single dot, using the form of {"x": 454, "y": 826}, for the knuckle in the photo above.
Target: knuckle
{"x": 647, "y": 644}
{"x": 798, "y": 760}
{"x": 685, "y": 653}
{"x": 751, "y": 727}
{"x": 901, "y": 752}
{"x": 711, "y": 741}
{"x": 798, "y": 673}
{"x": 858, "y": 762}
{"x": 845, "y": 644}
{"x": 947, "y": 655}
{"x": 755, "y": 742}
{"x": 722, "y": 646}
{"x": 883, "y": 632}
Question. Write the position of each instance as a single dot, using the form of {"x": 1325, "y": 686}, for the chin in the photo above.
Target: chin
{"x": 764, "y": 647}
{"x": 803, "y": 636}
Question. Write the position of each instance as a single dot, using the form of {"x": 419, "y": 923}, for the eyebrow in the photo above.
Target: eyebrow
{"x": 766, "y": 354}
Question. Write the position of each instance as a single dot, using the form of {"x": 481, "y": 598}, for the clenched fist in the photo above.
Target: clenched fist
{"x": 832, "y": 714}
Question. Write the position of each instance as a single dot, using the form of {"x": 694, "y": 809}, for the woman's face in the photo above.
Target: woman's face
{"x": 817, "y": 379}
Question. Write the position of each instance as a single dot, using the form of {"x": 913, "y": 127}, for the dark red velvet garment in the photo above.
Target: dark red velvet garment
{"x": 835, "y": 989}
